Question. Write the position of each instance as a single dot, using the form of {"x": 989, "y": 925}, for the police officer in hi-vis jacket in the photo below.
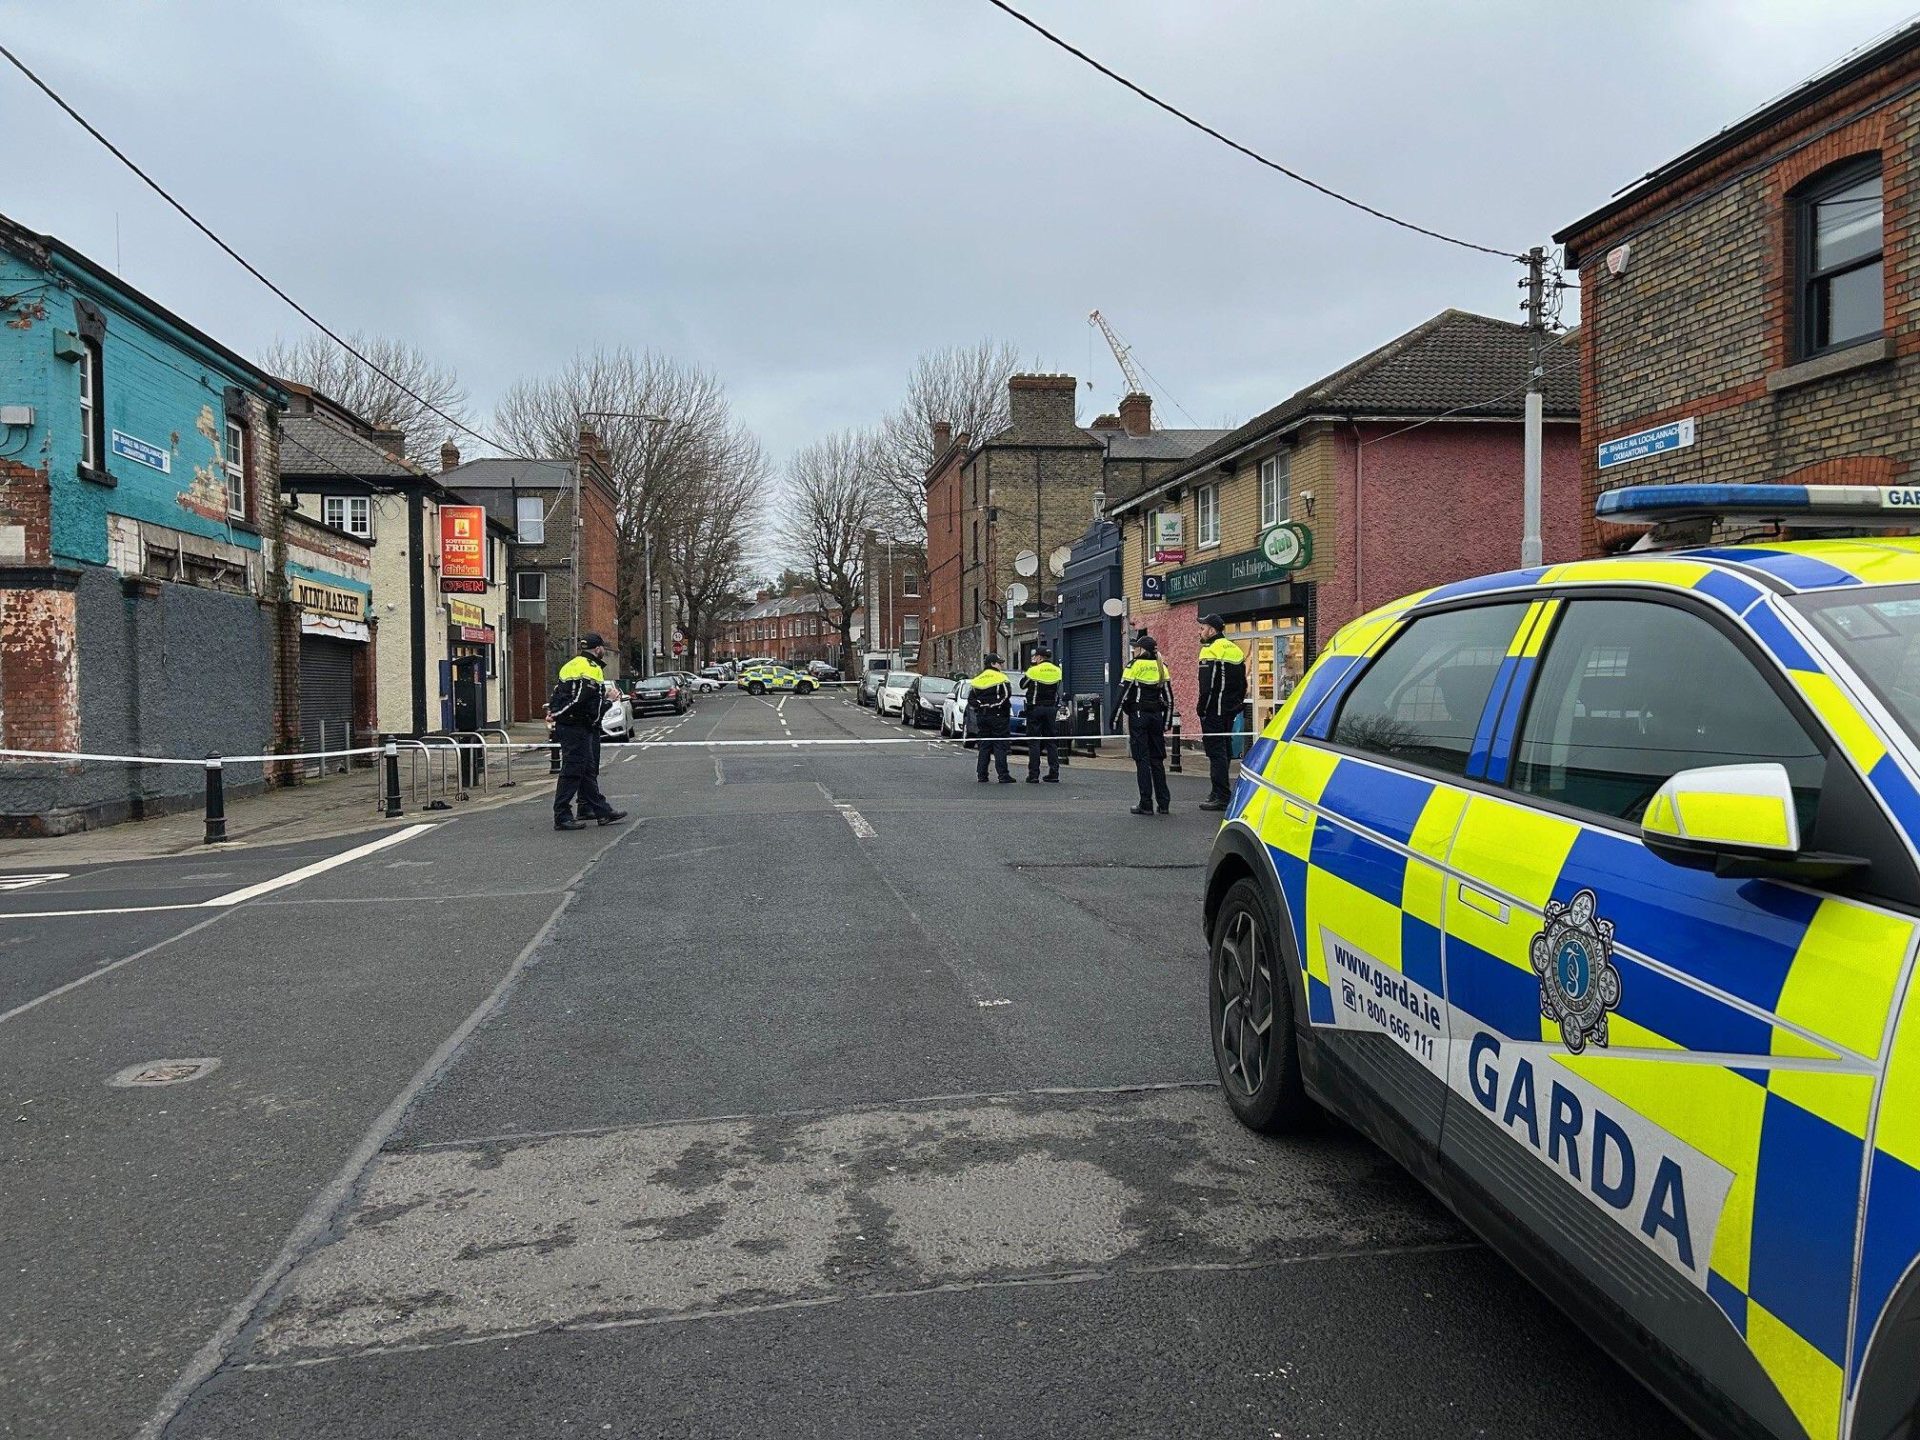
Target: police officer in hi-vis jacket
{"x": 578, "y": 702}
{"x": 1041, "y": 684}
{"x": 991, "y": 703}
{"x": 1146, "y": 699}
{"x": 1223, "y": 691}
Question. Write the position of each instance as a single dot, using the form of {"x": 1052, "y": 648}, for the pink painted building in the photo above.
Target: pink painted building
{"x": 1399, "y": 471}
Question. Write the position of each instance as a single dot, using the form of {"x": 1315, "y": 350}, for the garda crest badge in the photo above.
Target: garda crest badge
{"x": 1573, "y": 960}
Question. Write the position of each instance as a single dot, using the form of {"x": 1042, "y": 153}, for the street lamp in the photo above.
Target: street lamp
{"x": 646, "y": 537}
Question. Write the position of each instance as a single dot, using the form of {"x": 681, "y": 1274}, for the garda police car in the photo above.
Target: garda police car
{"x": 759, "y": 679}
{"x": 1591, "y": 893}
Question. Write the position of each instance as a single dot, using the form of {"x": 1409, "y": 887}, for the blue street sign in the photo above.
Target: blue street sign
{"x": 1676, "y": 436}
{"x": 1153, "y": 587}
{"x": 141, "y": 453}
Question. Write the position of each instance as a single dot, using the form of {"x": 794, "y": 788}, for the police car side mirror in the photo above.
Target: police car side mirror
{"x": 1738, "y": 821}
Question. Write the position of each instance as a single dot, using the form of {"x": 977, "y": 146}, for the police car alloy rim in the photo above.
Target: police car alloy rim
{"x": 1244, "y": 978}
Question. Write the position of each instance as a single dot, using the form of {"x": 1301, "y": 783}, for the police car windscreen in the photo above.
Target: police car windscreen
{"x": 1878, "y": 634}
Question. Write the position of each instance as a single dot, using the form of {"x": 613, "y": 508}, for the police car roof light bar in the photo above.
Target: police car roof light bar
{"x": 1801, "y": 507}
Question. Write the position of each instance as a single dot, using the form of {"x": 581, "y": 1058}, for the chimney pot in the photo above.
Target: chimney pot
{"x": 449, "y": 456}
{"x": 1136, "y": 414}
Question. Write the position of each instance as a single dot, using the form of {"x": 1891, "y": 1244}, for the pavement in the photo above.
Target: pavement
{"x": 829, "y": 1094}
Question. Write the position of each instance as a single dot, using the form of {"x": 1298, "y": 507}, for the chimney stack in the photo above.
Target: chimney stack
{"x": 393, "y": 441}
{"x": 1041, "y": 406}
{"x": 1136, "y": 414}
{"x": 449, "y": 455}
{"x": 760, "y": 597}
{"x": 1106, "y": 422}
{"x": 942, "y": 437}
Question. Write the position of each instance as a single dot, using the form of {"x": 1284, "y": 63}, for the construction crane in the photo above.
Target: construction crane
{"x": 1120, "y": 353}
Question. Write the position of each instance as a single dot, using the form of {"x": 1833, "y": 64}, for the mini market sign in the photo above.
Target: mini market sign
{"x": 1246, "y": 569}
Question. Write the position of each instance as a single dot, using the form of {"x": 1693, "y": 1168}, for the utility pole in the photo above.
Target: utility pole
{"x": 1536, "y": 308}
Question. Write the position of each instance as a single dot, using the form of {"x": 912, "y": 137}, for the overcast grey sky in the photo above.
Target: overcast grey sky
{"x": 803, "y": 194}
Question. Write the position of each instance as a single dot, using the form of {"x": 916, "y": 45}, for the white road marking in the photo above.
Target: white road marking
{"x": 719, "y": 775}
{"x": 854, "y": 818}
{"x": 989, "y": 1004}
{"x": 318, "y": 867}
{"x": 249, "y": 892}
{"x": 27, "y": 882}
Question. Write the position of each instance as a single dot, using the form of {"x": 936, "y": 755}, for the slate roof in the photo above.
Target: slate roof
{"x": 317, "y": 447}
{"x": 1157, "y": 444}
{"x": 1457, "y": 362}
{"x": 500, "y": 474}
{"x": 804, "y": 604}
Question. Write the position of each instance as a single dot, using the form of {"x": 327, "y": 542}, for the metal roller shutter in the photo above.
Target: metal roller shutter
{"x": 326, "y": 696}
{"x": 1086, "y": 658}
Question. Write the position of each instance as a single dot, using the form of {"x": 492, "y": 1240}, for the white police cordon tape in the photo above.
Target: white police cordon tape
{"x": 856, "y": 741}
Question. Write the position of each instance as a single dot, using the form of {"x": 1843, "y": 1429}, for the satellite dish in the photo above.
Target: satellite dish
{"x": 1113, "y": 605}
{"x": 1026, "y": 563}
{"x": 1057, "y": 562}
{"x": 1017, "y": 593}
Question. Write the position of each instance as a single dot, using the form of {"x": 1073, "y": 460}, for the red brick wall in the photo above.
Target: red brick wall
{"x": 1704, "y": 312}
{"x": 946, "y": 561}
{"x": 599, "y": 566}
{"x": 39, "y": 679}
{"x": 26, "y": 500}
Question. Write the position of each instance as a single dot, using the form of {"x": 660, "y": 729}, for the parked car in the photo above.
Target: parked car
{"x": 953, "y": 709}
{"x": 870, "y": 686}
{"x": 925, "y": 700}
{"x": 617, "y": 722}
{"x": 892, "y": 689}
{"x": 663, "y": 693}
{"x": 715, "y": 673}
{"x": 1602, "y": 1005}
{"x": 699, "y": 684}
{"x": 820, "y": 670}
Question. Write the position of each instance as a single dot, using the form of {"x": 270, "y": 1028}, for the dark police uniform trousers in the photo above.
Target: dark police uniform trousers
{"x": 1040, "y": 731}
{"x": 1216, "y": 738}
{"x": 988, "y": 724}
{"x": 1147, "y": 743}
{"x": 579, "y": 773}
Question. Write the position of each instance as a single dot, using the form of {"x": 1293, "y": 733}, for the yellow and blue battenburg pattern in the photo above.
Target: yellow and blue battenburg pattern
{"x": 1758, "y": 1029}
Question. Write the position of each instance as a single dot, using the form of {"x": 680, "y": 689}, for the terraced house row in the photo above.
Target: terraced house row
{"x": 197, "y": 557}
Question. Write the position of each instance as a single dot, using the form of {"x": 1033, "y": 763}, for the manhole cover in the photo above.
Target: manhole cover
{"x": 164, "y": 1072}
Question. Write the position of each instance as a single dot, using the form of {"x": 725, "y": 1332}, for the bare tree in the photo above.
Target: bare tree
{"x": 837, "y": 490}
{"x": 316, "y": 361}
{"x": 964, "y": 385}
{"x": 705, "y": 537}
{"x": 661, "y": 472}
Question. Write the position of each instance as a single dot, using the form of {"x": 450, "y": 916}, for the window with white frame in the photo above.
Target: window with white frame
{"x": 351, "y": 513}
{"x": 91, "y": 456}
{"x": 910, "y": 582}
{"x": 233, "y": 460}
{"x": 1206, "y": 516}
{"x": 530, "y": 519}
{"x": 1153, "y": 536}
{"x": 530, "y": 595}
{"x": 1276, "y": 501}
{"x": 909, "y": 629}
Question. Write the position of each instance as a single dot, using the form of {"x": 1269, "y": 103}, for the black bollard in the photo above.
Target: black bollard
{"x": 1173, "y": 762}
{"x": 392, "y": 763}
{"x": 216, "y": 802}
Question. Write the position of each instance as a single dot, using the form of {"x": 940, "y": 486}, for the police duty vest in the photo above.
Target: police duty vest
{"x": 1043, "y": 685}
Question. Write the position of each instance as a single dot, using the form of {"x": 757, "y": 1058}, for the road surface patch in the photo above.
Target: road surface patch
{"x": 677, "y": 1221}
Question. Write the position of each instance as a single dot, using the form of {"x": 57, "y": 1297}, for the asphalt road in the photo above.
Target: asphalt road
{"x": 830, "y": 1094}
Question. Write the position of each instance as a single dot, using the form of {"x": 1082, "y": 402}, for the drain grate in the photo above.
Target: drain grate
{"x": 152, "y": 1073}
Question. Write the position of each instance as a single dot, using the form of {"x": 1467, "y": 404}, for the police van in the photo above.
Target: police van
{"x": 1591, "y": 893}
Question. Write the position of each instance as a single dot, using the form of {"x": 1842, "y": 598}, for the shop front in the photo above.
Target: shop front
{"x": 1089, "y": 632}
{"x": 471, "y": 669}
{"x": 335, "y": 641}
{"x": 1268, "y": 614}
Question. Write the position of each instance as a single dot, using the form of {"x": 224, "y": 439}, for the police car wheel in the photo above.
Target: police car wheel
{"x": 1251, "y": 1009}
{"x": 756, "y": 688}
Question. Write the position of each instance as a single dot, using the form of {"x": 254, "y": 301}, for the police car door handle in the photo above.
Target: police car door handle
{"x": 1486, "y": 904}
{"x": 1294, "y": 810}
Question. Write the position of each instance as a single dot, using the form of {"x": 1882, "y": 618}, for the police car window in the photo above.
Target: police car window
{"x": 1879, "y": 636}
{"x": 1420, "y": 700}
{"x": 1631, "y": 692}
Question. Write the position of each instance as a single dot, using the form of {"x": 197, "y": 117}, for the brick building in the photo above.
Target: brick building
{"x": 892, "y": 613}
{"x": 1760, "y": 294}
{"x": 142, "y": 603}
{"x": 429, "y": 657}
{"x": 533, "y": 502}
{"x": 793, "y": 629}
{"x": 1401, "y": 470}
{"x": 1032, "y": 490}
